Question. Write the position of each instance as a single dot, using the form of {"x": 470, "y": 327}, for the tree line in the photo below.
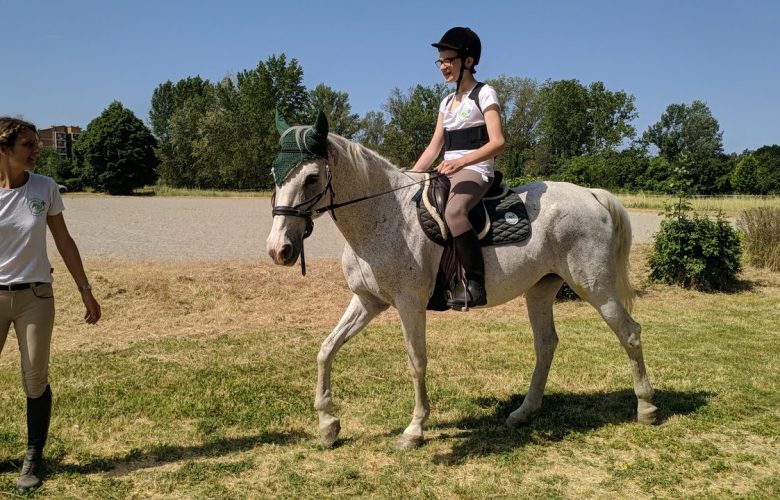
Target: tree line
{"x": 221, "y": 135}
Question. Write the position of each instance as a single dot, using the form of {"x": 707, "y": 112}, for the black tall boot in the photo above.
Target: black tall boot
{"x": 469, "y": 253}
{"x": 38, "y": 416}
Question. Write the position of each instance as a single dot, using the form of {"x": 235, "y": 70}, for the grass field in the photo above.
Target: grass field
{"x": 730, "y": 205}
{"x": 199, "y": 381}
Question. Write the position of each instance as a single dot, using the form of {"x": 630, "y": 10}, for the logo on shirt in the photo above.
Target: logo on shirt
{"x": 464, "y": 113}
{"x": 36, "y": 206}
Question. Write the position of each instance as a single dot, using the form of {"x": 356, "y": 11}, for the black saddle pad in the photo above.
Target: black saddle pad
{"x": 498, "y": 219}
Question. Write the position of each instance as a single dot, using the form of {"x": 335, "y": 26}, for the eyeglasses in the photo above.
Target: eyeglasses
{"x": 445, "y": 61}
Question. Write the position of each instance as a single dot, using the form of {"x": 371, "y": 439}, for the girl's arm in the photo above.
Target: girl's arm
{"x": 434, "y": 148}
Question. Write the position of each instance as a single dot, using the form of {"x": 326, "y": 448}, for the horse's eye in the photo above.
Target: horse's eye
{"x": 311, "y": 179}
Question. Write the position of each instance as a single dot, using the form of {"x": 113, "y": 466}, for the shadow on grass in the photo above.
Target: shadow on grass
{"x": 562, "y": 414}
{"x": 160, "y": 455}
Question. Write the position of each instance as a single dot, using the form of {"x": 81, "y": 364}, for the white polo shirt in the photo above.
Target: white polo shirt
{"x": 23, "y": 213}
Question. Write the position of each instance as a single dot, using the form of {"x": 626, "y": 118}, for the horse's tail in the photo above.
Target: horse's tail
{"x": 621, "y": 224}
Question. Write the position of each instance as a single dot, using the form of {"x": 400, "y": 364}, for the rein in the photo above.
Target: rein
{"x": 307, "y": 213}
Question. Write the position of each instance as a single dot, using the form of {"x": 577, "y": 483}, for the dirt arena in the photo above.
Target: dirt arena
{"x": 180, "y": 229}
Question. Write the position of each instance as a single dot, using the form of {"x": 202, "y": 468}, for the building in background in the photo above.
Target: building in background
{"x": 60, "y": 139}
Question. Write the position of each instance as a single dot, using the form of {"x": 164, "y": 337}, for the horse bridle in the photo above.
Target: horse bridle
{"x": 305, "y": 211}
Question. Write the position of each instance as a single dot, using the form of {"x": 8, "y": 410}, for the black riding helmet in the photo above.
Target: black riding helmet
{"x": 466, "y": 43}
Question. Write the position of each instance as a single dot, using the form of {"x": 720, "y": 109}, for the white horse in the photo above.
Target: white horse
{"x": 578, "y": 235}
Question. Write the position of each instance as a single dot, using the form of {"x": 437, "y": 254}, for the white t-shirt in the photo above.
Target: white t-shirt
{"x": 23, "y": 212}
{"x": 466, "y": 115}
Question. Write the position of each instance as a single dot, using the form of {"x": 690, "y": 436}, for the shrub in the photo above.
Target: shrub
{"x": 566, "y": 293}
{"x": 694, "y": 251}
{"x": 761, "y": 236}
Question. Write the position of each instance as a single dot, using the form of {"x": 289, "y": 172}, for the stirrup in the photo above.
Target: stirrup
{"x": 466, "y": 294}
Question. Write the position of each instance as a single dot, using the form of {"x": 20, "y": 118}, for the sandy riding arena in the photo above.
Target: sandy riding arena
{"x": 195, "y": 229}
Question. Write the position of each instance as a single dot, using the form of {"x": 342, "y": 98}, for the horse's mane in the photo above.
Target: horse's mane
{"x": 365, "y": 161}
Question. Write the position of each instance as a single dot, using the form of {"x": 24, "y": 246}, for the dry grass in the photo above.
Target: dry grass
{"x": 198, "y": 382}
{"x": 729, "y": 205}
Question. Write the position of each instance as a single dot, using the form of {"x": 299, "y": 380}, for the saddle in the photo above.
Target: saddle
{"x": 500, "y": 218}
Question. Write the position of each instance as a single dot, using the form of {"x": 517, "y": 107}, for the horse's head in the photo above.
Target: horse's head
{"x": 302, "y": 177}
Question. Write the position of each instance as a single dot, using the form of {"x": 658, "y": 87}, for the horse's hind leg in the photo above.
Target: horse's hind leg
{"x": 629, "y": 333}
{"x": 360, "y": 311}
{"x": 539, "y": 300}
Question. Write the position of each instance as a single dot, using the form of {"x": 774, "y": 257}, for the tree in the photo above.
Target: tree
{"x": 412, "y": 122}
{"x": 682, "y": 129}
{"x": 610, "y": 114}
{"x": 520, "y": 114}
{"x": 659, "y": 176}
{"x": 563, "y": 127}
{"x": 768, "y": 158}
{"x": 51, "y": 164}
{"x": 336, "y": 107}
{"x": 692, "y": 134}
{"x": 237, "y": 140}
{"x": 577, "y": 120}
{"x": 744, "y": 178}
{"x": 179, "y": 165}
{"x": 371, "y": 130}
{"x": 175, "y": 113}
{"x": 116, "y": 152}
{"x": 168, "y": 98}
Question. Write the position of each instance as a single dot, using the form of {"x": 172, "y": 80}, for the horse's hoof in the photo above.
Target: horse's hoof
{"x": 646, "y": 414}
{"x": 519, "y": 418}
{"x": 407, "y": 442}
{"x": 329, "y": 431}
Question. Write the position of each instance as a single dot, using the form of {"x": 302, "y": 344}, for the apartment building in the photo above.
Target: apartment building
{"x": 60, "y": 138}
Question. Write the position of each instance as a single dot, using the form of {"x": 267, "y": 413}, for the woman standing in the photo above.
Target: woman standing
{"x": 469, "y": 130}
{"x": 28, "y": 203}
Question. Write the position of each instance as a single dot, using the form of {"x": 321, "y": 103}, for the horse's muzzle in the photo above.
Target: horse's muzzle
{"x": 284, "y": 254}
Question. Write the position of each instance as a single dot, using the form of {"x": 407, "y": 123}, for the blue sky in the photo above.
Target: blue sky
{"x": 64, "y": 62}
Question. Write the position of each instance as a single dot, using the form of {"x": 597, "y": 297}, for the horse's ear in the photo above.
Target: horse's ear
{"x": 281, "y": 123}
{"x": 321, "y": 125}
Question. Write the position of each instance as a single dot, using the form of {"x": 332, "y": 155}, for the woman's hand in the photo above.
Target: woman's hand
{"x": 92, "y": 314}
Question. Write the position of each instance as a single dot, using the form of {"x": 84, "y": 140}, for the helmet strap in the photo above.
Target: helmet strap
{"x": 460, "y": 73}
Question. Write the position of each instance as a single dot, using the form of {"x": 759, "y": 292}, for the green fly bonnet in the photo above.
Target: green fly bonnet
{"x": 299, "y": 144}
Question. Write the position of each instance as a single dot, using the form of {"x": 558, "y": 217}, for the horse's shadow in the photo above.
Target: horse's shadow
{"x": 159, "y": 455}
{"x": 562, "y": 414}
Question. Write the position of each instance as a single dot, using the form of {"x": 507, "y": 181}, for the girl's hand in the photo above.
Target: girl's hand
{"x": 449, "y": 167}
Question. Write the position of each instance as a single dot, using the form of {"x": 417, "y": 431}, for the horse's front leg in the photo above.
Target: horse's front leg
{"x": 413, "y": 323}
{"x": 361, "y": 310}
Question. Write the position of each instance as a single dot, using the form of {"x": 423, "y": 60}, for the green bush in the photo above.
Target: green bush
{"x": 694, "y": 251}
{"x": 761, "y": 236}
{"x": 566, "y": 293}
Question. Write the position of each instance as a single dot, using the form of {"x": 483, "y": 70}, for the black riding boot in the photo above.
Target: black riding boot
{"x": 38, "y": 416}
{"x": 470, "y": 255}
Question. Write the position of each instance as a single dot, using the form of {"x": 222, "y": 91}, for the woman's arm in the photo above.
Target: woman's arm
{"x": 70, "y": 254}
{"x": 491, "y": 149}
{"x": 434, "y": 148}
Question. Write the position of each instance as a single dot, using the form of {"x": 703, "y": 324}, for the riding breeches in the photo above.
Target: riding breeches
{"x": 467, "y": 187}
{"x": 32, "y": 313}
